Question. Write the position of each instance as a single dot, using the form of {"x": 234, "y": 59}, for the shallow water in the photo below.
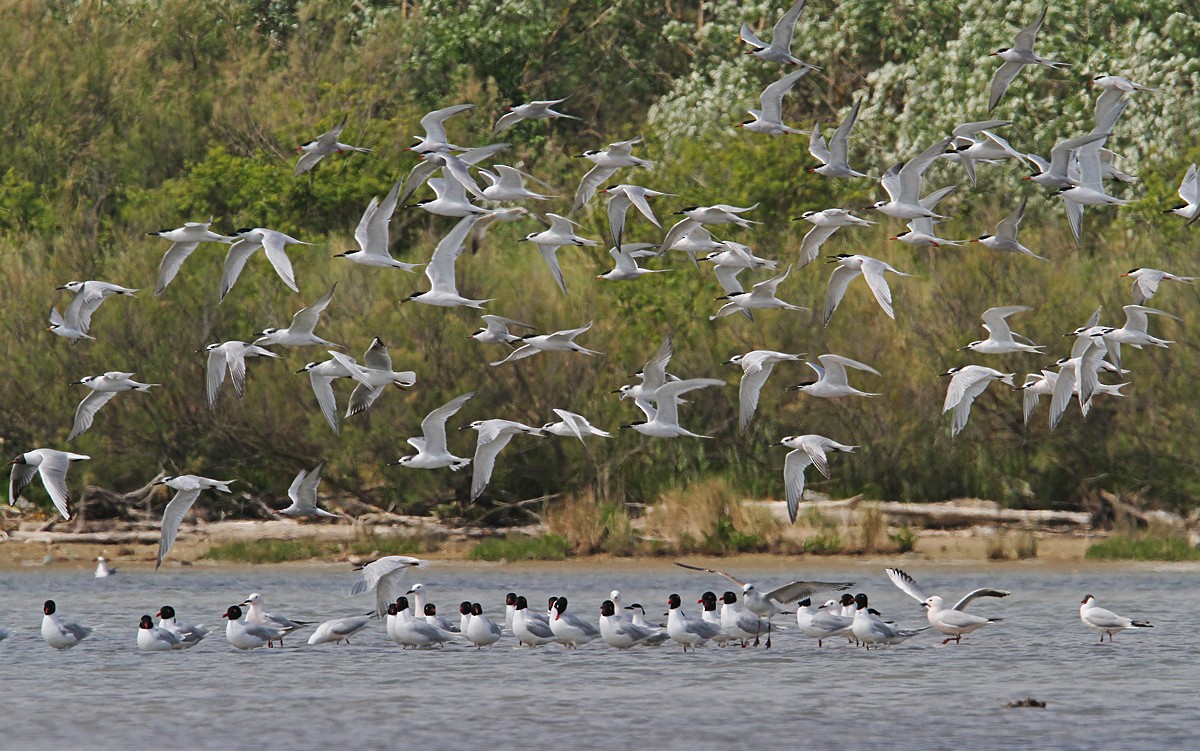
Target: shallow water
{"x": 1140, "y": 692}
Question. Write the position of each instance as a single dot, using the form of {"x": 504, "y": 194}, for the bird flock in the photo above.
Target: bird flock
{"x": 1077, "y": 170}
{"x": 743, "y": 617}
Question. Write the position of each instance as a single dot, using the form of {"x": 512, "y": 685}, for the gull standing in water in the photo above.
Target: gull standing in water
{"x": 870, "y": 629}
{"x": 256, "y": 614}
{"x": 685, "y": 631}
{"x": 531, "y": 629}
{"x": 189, "y": 635}
{"x": 772, "y": 601}
{"x": 432, "y": 450}
{"x": 151, "y": 638}
{"x": 187, "y": 490}
{"x": 59, "y": 633}
{"x": 741, "y": 623}
{"x": 102, "y": 569}
{"x": 953, "y": 621}
{"x": 409, "y": 631}
{"x": 1105, "y": 621}
{"x": 339, "y": 630}
{"x": 570, "y": 629}
{"x": 327, "y": 143}
{"x": 481, "y": 630}
{"x": 620, "y": 633}
{"x": 823, "y": 623}
{"x": 51, "y": 465}
{"x": 242, "y": 634}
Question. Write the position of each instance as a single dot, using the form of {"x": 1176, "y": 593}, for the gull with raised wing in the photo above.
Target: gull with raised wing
{"x": 1078, "y": 376}
{"x": 103, "y": 571}
{"x": 1005, "y": 239}
{"x": 620, "y": 198}
{"x": 187, "y": 489}
{"x": 920, "y": 229}
{"x": 952, "y": 621}
{"x": 760, "y": 297}
{"x": 695, "y": 241}
{"x": 902, "y": 182}
{"x": 372, "y": 234}
{"x": 1017, "y": 57}
{"x": 769, "y": 119}
{"x": 104, "y": 387}
{"x": 432, "y": 451}
{"x": 300, "y": 332}
{"x": 780, "y": 48}
{"x": 626, "y": 266}
{"x": 450, "y": 199}
{"x": 756, "y": 369}
{"x": 1105, "y": 621}
{"x": 741, "y": 623}
{"x": 770, "y": 602}
{"x": 849, "y": 268}
{"x": 1189, "y": 191}
{"x": 443, "y": 289}
{"x": 1000, "y": 339}
{"x": 573, "y": 425}
{"x": 303, "y": 494}
{"x": 494, "y": 435}
{"x": 327, "y": 143}
{"x": 1146, "y": 281}
{"x": 88, "y": 297}
{"x": 653, "y": 373}
{"x": 321, "y": 375}
{"x": 508, "y": 184}
{"x": 696, "y": 216}
{"x": 825, "y": 223}
{"x": 1036, "y": 386}
{"x": 832, "y": 381}
{"x": 835, "y": 157}
{"x": 373, "y": 376}
{"x": 559, "y": 341}
{"x": 662, "y": 417}
{"x": 1135, "y": 332}
{"x": 456, "y": 166}
{"x": 274, "y": 245}
{"x": 607, "y": 161}
{"x": 184, "y": 241}
{"x": 339, "y": 630}
{"x": 808, "y": 450}
{"x": 383, "y": 576}
{"x": 496, "y": 330}
{"x": 229, "y": 356}
{"x": 1055, "y": 172}
{"x": 966, "y": 384}
{"x": 68, "y": 328}
{"x": 51, "y": 465}
{"x": 434, "y": 124}
{"x": 560, "y": 233}
{"x": 541, "y": 109}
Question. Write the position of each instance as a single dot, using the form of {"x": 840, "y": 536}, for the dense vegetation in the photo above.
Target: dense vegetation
{"x": 119, "y": 118}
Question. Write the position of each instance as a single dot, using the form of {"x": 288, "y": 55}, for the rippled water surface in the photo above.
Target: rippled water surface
{"x": 1140, "y": 692}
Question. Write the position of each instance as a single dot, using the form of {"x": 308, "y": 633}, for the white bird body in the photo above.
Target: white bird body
{"x": 686, "y": 631}
{"x": 741, "y": 623}
{"x": 273, "y": 243}
{"x": 102, "y": 569}
{"x": 188, "y": 634}
{"x": 1005, "y": 239}
{"x": 59, "y": 633}
{"x": 536, "y": 110}
{"x": 244, "y": 634}
{"x": 807, "y": 450}
{"x": 325, "y": 144}
{"x": 229, "y": 357}
{"x": 756, "y": 369}
{"x": 760, "y": 297}
{"x": 1189, "y": 191}
{"x": 151, "y": 638}
{"x": 87, "y": 300}
{"x": 49, "y": 464}
{"x": 619, "y": 632}
{"x": 373, "y": 236}
{"x": 373, "y": 376}
{"x": 481, "y": 630}
{"x": 303, "y": 494}
{"x": 607, "y": 161}
{"x": 187, "y": 489}
{"x": 1000, "y": 337}
{"x": 104, "y": 387}
{"x": 450, "y": 199}
{"x": 494, "y": 435}
{"x": 531, "y": 629}
{"x": 300, "y": 332}
{"x": 569, "y": 629}
{"x": 573, "y": 425}
{"x": 952, "y": 621}
{"x": 69, "y": 328}
{"x": 1105, "y": 621}
{"x": 780, "y": 48}
{"x": 1146, "y": 281}
{"x": 508, "y": 184}
{"x": 835, "y": 156}
{"x": 434, "y": 124}
{"x": 832, "y": 381}
{"x": 822, "y": 623}
{"x": 443, "y": 289}
{"x": 966, "y": 384}
{"x": 902, "y": 182}
{"x": 849, "y": 268}
{"x": 769, "y": 119}
{"x": 496, "y": 331}
{"x": 383, "y": 577}
{"x": 1016, "y": 57}
{"x": 559, "y": 341}
{"x": 184, "y": 241}
{"x": 560, "y": 233}
{"x": 339, "y": 630}
{"x": 662, "y": 417}
{"x": 432, "y": 449}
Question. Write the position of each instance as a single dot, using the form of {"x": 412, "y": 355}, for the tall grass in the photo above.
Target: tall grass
{"x": 1146, "y": 547}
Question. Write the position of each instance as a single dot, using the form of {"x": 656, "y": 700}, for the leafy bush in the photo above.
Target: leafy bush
{"x": 521, "y": 548}
{"x": 1143, "y": 548}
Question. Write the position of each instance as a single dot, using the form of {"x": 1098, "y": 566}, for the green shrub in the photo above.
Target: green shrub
{"x": 547, "y": 547}
{"x": 1143, "y": 548}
